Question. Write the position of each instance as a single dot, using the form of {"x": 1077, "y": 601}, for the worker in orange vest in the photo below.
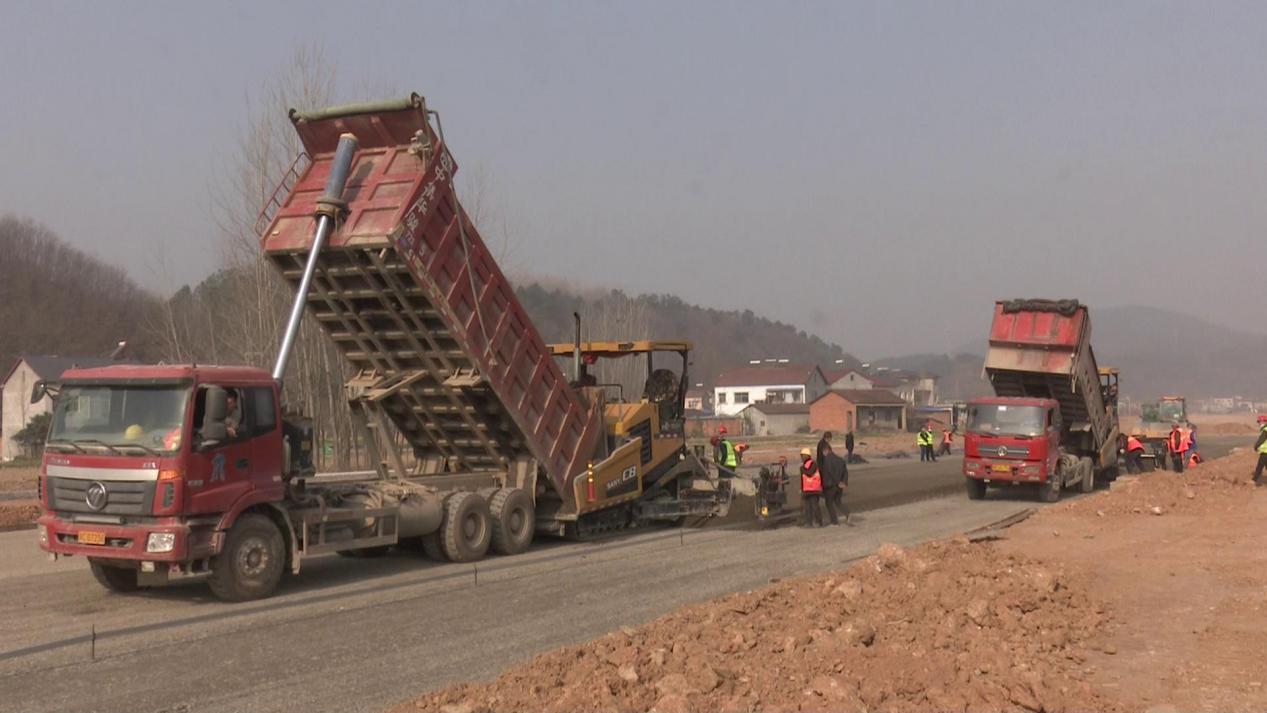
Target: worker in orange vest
{"x": 1176, "y": 443}
{"x": 947, "y": 436}
{"x": 811, "y": 491}
{"x": 1134, "y": 455}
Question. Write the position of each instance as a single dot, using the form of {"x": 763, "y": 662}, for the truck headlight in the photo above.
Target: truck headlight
{"x": 43, "y": 535}
{"x": 160, "y": 542}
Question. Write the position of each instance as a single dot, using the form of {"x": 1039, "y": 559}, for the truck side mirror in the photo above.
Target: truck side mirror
{"x": 213, "y": 430}
{"x": 39, "y": 391}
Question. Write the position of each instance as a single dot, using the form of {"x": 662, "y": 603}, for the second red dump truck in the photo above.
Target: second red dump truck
{"x": 1053, "y": 421}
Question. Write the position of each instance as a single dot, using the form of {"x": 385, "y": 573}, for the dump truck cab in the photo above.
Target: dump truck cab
{"x": 1012, "y": 440}
{"x": 147, "y": 464}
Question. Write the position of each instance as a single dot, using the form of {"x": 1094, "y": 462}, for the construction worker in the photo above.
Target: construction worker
{"x": 1261, "y": 446}
{"x": 1134, "y": 455}
{"x": 1175, "y": 442}
{"x": 947, "y": 436}
{"x": 1191, "y": 452}
{"x": 849, "y": 447}
{"x": 724, "y": 453}
{"x": 811, "y": 491}
{"x": 925, "y": 441}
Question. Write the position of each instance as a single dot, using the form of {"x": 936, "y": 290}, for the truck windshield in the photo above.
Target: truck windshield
{"x": 119, "y": 418}
{"x": 1003, "y": 420}
{"x": 1163, "y": 412}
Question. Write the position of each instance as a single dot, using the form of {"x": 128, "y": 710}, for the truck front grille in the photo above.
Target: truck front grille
{"x": 123, "y": 497}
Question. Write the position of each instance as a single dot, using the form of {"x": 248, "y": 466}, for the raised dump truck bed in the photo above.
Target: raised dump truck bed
{"x": 409, "y": 292}
{"x": 1042, "y": 349}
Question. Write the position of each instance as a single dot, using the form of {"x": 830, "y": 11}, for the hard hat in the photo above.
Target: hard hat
{"x": 722, "y": 430}
{"x": 134, "y": 432}
{"x": 806, "y": 452}
{"x": 1262, "y": 418}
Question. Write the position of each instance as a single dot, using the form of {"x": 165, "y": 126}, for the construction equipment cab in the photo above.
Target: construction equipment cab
{"x": 644, "y": 461}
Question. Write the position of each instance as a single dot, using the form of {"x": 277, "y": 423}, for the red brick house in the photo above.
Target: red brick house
{"x": 845, "y": 410}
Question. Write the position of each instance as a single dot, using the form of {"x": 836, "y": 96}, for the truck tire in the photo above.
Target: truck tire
{"x": 1049, "y": 492}
{"x": 976, "y": 488}
{"x": 116, "y": 579}
{"x": 252, "y": 561}
{"x": 466, "y": 531}
{"x": 514, "y": 520}
{"x": 1087, "y": 482}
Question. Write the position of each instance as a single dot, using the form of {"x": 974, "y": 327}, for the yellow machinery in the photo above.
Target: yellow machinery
{"x": 643, "y": 472}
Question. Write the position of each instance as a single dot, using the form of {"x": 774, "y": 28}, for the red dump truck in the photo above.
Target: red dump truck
{"x": 1053, "y": 421}
{"x": 154, "y": 472}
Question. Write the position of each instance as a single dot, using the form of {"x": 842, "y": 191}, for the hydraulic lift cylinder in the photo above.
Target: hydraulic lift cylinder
{"x": 328, "y": 207}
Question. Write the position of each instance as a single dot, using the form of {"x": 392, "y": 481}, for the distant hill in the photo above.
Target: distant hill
{"x": 723, "y": 339}
{"x": 57, "y": 299}
{"x": 1158, "y": 351}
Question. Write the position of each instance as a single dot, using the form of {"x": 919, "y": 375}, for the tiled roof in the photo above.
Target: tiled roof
{"x": 780, "y": 409}
{"x": 867, "y": 397}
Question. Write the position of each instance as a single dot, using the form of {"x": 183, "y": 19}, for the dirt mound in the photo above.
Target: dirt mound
{"x": 947, "y": 626}
{"x": 1210, "y": 487}
{"x": 18, "y": 514}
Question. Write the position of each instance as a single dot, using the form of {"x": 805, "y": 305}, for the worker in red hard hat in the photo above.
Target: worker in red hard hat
{"x": 724, "y": 454}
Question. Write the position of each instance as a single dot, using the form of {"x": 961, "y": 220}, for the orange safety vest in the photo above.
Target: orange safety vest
{"x": 1174, "y": 442}
{"x": 811, "y": 482}
{"x": 1133, "y": 444}
{"x": 1186, "y": 443}
{"x": 946, "y": 437}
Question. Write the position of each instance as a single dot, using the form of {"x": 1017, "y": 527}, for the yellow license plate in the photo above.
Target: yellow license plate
{"x": 88, "y": 537}
{"x": 1001, "y": 468}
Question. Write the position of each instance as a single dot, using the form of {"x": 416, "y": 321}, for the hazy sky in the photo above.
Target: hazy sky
{"x": 875, "y": 172}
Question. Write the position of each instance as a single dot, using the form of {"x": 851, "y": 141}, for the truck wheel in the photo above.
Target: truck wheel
{"x": 1088, "y": 475}
{"x": 467, "y": 528}
{"x": 514, "y": 520}
{"x": 116, "y": 579}
{"x": 251, "y": 563}
{"x": 1049, "y": 492}
{"x": 976, "y": 488}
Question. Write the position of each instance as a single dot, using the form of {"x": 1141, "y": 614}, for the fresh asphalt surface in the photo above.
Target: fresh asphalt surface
{"x": 361, "y": 635}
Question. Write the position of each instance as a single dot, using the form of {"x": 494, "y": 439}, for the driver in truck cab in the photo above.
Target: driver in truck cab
{"x": 232, "y": 413}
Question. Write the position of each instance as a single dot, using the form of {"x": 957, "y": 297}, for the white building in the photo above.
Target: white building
{"x": 782, "y": 384}
{"x": 16, "y": 409}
